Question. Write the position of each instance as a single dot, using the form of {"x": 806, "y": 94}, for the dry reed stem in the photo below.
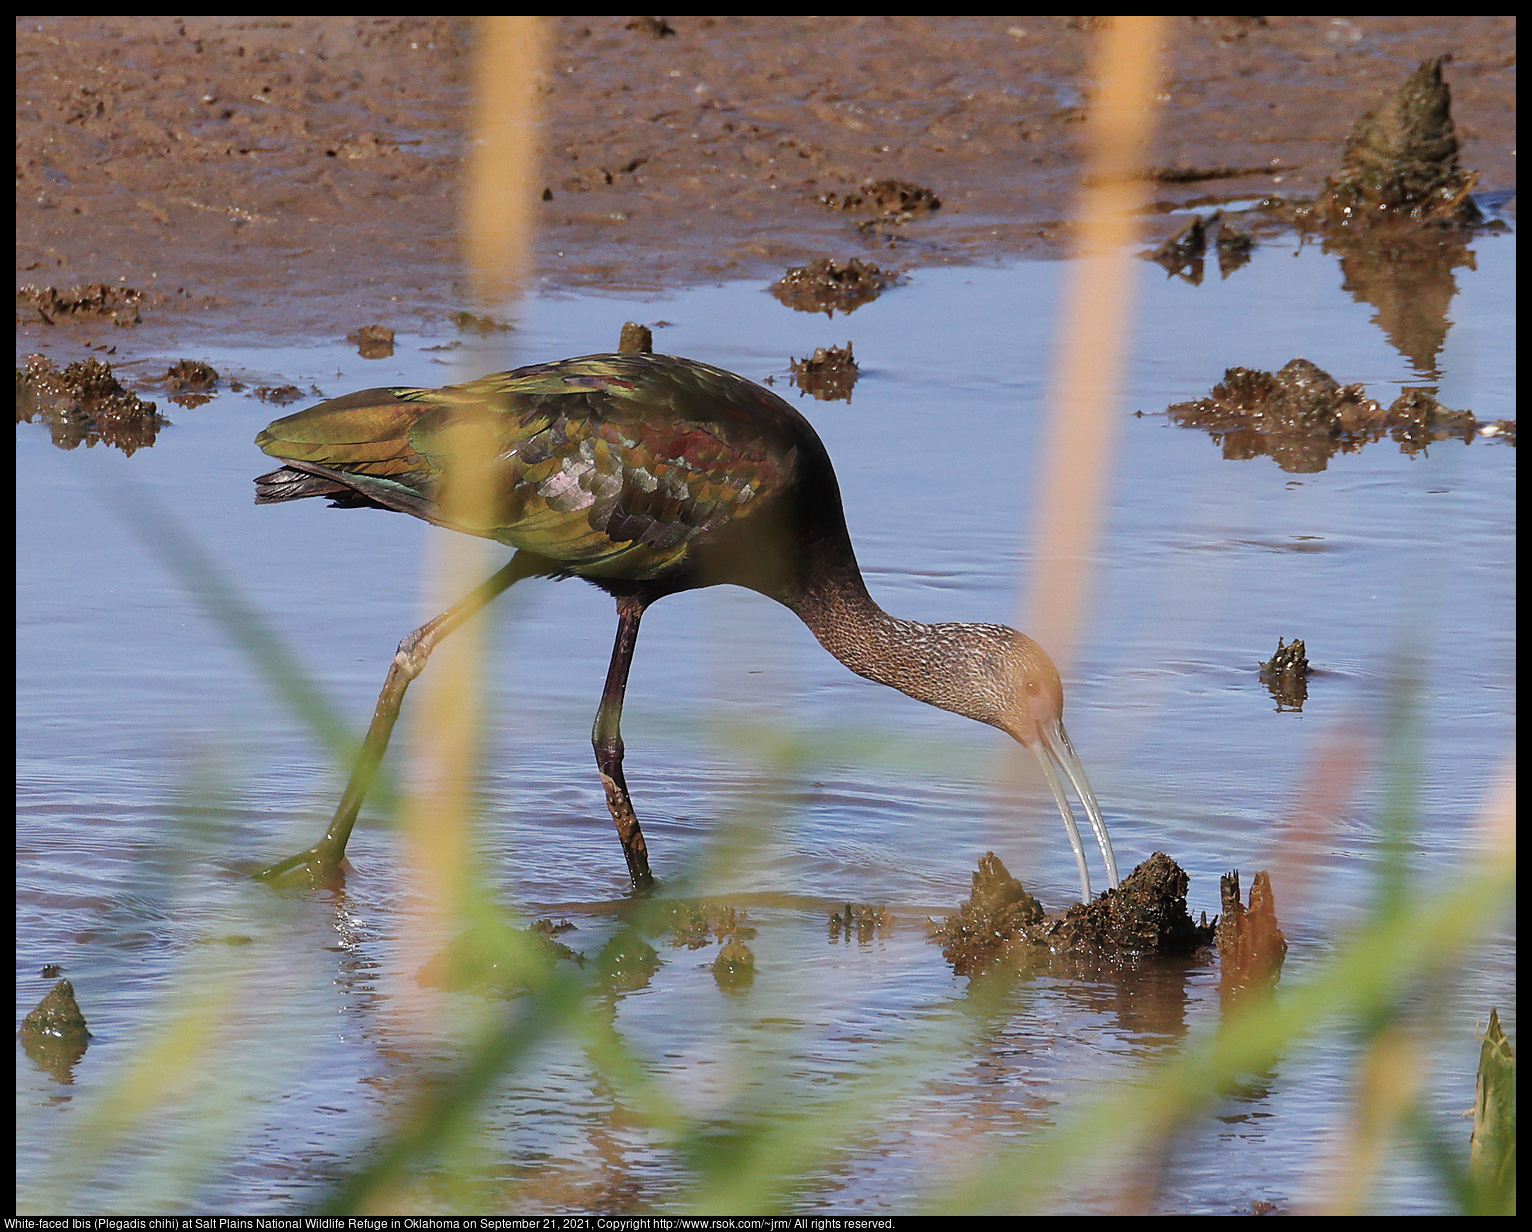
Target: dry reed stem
{"x": 1094, "y": 339}
{"x": 497, "y": 222}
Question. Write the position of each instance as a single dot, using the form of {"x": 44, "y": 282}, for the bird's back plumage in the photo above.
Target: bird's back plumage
{"x": 614, "y": 466}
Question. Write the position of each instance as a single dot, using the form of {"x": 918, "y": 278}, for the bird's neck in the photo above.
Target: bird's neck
{"x": 933, "y": 663}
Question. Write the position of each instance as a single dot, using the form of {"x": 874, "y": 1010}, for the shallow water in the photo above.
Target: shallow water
{"x": 153, "y": 763}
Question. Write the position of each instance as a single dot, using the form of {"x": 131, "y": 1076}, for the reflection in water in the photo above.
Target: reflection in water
{"x": 1407, "y": 276}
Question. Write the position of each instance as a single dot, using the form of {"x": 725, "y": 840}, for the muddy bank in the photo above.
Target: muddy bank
{"x": 271, "y": 175}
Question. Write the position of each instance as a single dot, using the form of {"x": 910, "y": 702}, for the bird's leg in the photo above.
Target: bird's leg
{"x": 321, "y": 862}
{"x": 606, "y": 737}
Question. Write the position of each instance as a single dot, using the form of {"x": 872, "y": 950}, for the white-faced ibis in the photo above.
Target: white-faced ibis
{"x": 648, "y": 475}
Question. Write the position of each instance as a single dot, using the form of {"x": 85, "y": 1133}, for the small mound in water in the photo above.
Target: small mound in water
{"x": 1146, "y": 914}
{"x": 1401, "y": 163}
{"x": 1302, "y": 416}
{"x": 1286, "y": 674}
{"x": 825, "y": 285}
{"x": 85, "y": 404}
{"x": 829, "y": 374}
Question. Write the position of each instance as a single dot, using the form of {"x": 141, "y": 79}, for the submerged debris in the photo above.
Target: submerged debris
{"x": 627, "y": 962}
{"x": 1146, "y": 914}
{"x": 1250, "y": 945}
{"x": 496, "y": 957}
{"x": 84, "y": 403}
{"x": 828, "y": 374}
{"x": 1286, "y": 675}
{"x": 735, "y": 965}
{"x": 469, "y": 323}
{"x": 1401, "y": 163}
{"x": 92, "y": 299}
{"x": 824, "y": 285}
{"x": 866, "y": 921}
{"x": 1302, "y": 416}
{"x": 55, "y": 1035}
{"x": 696, "y": 924}
{"x": 1234, "y": 248}
{"x": 372, "y": 341}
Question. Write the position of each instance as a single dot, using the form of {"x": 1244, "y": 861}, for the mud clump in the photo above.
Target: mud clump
{"x": 824, "y": 285}
{"x": 84, "y": 404}
{"x": 1250, "y": 945}
{"x": 1401, "y": 163}
{"x": 191, "y": 382}
{"x": 654, "y": 27}
{"x": 279, "y": 394}
{"x": 635, "y": 339}
{"x": 735, "y": 965}
{"x": 1302, "y": 416}
{"x": 1286, "y": 674}
{"x": 372, "y": 341}
{"x": 1181, "y": 255}
{"x": 54, "y": 1035}
{"x": 829, "y": 374}
{"x": 887, "y": 201}
{"x": 92, "y": 299}
{"x": 997, "y": 914}
{"x": 1146, "y": 914}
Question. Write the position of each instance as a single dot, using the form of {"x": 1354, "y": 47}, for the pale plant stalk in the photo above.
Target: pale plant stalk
{"x": 497, "y": 222}
{"x": 1094, "y": 333}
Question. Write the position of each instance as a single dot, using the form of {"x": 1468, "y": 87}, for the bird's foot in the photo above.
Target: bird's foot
{"x": 320, "y": 867}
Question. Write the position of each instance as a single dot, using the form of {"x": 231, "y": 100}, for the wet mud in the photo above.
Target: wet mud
{"x": 278, "y": 172}
{"x": 1145, "y": 915}
{"x": 1286, "y": 675}
{"x": 1301, "y": 417}
{"x": 829, "y": 374}
{"x": 84, "y": 404}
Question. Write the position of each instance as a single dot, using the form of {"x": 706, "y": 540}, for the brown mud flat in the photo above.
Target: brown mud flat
{"x": 267, "y": 176}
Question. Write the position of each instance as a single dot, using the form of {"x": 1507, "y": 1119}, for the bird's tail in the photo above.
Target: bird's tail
{"x": 285, "y": 484}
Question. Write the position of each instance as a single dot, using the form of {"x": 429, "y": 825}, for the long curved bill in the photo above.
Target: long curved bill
{"x": 1053, "y": 746}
